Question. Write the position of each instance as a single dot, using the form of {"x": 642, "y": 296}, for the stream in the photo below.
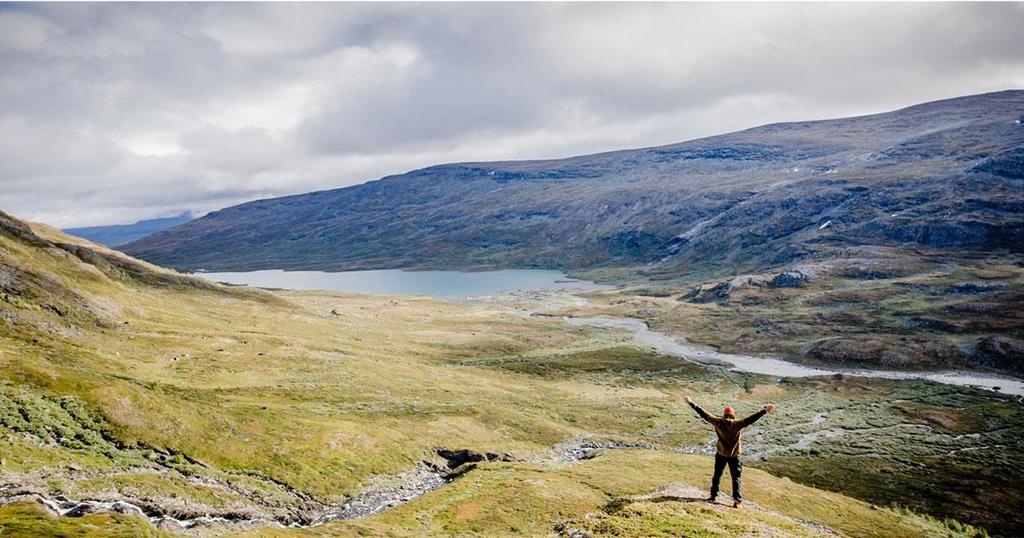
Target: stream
{"x": 386, "y": 494}
{"x": 678, "y": 347}
{"x": 67, "y": 508}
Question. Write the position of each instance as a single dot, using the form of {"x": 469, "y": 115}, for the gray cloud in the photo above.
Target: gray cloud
{"x": 113, "y": 112}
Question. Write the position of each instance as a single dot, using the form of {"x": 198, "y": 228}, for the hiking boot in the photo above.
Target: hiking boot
{"x": 711, "y": 499}
{"x": 737, "y": 503}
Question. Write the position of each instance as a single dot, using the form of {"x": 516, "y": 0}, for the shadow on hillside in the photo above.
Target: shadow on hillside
{"x": 615, "y": 505}
{"x": 676, "y": 498}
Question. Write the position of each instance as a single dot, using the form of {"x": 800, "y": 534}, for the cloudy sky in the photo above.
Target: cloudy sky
{"x": 111, "y": 113}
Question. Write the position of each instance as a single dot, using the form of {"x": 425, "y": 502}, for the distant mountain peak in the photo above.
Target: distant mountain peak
{"x": 119, "y": 234}
{"x": 944, "y": 174}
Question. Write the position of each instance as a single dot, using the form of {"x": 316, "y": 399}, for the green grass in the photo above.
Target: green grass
{"x": 32, "y": 521}
{"x": 508, "y": 499}
{"x": 224, "y": 401}
{"x": 671, "y": 519}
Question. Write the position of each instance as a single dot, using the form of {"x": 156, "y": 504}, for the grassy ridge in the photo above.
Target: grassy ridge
{"x": 507, "y": 499}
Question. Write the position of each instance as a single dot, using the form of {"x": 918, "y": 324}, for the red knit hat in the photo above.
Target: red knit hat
{"x": 729, "y": 412}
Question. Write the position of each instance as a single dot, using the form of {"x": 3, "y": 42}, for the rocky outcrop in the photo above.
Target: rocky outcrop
{"x": 1009, "y": 164}
{"x": 789, "y": 279}
{"x": 690, "y": 294}
{"x": 866, "y": 353}
{"x": 458, "y": 457}
{"x": 950, "y": 233}
{"x": 972, "y": 288}
{"x": 933, "y": 324}
{"x": 717, "y": 293}
{"x": 1000, "y": 352}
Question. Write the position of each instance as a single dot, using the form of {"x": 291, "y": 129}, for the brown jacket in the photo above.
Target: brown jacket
{"x": 728, "y": 430}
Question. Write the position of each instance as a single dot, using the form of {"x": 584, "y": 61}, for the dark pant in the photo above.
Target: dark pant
{"x": 735, "y": 467}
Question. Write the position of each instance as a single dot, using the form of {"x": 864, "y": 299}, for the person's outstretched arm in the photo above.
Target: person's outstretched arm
{"x": 700, "y": 411}
{"x": 753, "y": 418}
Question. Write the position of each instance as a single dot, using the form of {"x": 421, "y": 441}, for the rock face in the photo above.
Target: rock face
{"x": 947, "y": 174}
{"x": 860, "y": 353}
{"x": 456, "y": 458}
{"x": 1000, "y": 352}
{"x": 788, "y": 279}
{"x": 717, "y": 293}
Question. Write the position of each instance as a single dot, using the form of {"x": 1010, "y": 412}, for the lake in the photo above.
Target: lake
{"x": 442, "y": 284}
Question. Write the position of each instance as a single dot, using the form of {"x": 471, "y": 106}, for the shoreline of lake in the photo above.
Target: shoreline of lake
{"x": 487, "y": 286}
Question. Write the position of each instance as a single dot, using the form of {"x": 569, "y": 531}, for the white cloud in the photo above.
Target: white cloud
{"x": 23, "y": 32}
{"x": 245, "y": 151}
{"x": 114, "y": 112}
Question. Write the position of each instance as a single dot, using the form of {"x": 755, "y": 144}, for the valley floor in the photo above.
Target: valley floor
{"x": 864, "y": 308}
{"x": 248, "y": 411}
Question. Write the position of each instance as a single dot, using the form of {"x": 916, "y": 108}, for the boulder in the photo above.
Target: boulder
{"x": 460, "y": 456}
{"x": 690, "y": 295}
{"x": 82, "y": 509}
{"x": 718, "y": 292}
{"x": 788, "y": 279}
{"x": 170, "y": 525}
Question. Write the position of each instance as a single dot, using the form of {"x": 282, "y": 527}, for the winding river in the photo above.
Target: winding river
{"x": 677, "y": 347}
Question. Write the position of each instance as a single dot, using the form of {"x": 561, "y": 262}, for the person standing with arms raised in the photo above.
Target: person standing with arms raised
{"x": 729, "y": 430}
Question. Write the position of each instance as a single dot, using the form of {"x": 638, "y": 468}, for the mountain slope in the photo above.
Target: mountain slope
{"x": 119, "y": 234}
{"x": 946, "y": 174}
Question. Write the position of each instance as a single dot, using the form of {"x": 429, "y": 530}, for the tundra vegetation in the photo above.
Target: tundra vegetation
{"x": 124, "y": 381}
{"x": 883, "y": 308}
